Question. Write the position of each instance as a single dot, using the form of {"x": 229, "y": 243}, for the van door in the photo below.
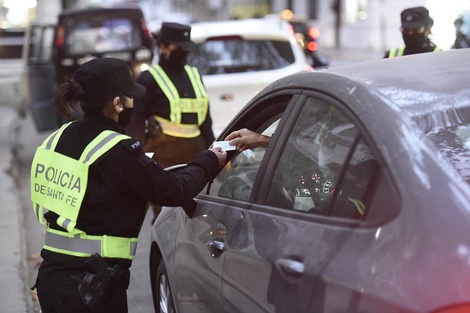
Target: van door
{"x": 39, "y": 83}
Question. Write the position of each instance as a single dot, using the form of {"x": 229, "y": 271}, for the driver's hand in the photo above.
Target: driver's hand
{"x": 246, "y": 139}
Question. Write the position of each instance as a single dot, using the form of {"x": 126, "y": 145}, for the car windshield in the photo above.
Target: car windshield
{"x": 236, "y": 55}
{"x": 450, "y": 131}
{"x": 95, "y": 34}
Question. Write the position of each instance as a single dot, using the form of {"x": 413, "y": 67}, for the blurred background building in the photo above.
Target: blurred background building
{"x": 349, "y": 24}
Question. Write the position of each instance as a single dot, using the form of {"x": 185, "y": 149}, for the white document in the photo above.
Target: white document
{"x": 224, "y": 145}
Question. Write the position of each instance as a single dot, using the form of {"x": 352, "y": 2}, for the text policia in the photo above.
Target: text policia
{"x": 65, "y": 186}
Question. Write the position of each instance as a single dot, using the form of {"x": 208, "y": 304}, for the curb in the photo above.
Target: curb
{"x": 13, "y": 255}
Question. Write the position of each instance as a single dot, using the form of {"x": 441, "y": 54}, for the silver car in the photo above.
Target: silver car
{"x": 360, "y": 202}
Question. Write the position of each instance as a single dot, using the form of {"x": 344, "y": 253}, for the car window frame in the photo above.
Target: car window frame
{"x": 248, "y": 119}
{"x": 259, "y": 203}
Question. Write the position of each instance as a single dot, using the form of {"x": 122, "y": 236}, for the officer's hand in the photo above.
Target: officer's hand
{"x": 221, "y": 155}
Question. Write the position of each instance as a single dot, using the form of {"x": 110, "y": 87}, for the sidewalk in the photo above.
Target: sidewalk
{"x": 14, "y": 298}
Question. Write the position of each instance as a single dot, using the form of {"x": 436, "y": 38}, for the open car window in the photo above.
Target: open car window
{"x": 235, "y": 181}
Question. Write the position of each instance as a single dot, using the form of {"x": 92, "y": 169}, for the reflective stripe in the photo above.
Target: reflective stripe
{"x": 200, "y": 92}
{"x": 360, "y": 207}
{"x": 85, "y": 245}
{"x": 40, "y": 211}
{"x": 178, "y": 130}
{"x": 401, "y": 51}
{"x": 396, "y": 52}
{"x": 178, "y": 106}
{"x": 106, "y": 138}
{"x": 54, "y": 137}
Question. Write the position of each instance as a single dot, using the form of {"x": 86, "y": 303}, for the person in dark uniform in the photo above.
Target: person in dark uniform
{"x": 173, "y": 118}
{"x": 416, "y": 27}
{"x": 91, "y": 185}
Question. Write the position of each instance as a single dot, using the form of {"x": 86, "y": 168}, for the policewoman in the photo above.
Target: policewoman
{"x": 415, "y": 28}
{"x": 90, "y": 186}
{"x": 172, "y": 119}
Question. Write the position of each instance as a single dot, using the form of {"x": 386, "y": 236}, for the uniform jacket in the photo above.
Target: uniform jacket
{"x": 120, "y": 185}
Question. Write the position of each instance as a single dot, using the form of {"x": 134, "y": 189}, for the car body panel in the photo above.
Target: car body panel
{"x": 412, "y": 252}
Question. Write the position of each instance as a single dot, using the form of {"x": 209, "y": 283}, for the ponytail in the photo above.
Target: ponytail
{"x": 70, "y": 99}
{"x": 67, "y": 99}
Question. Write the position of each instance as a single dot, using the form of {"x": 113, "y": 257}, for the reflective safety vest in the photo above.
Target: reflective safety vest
{"x": 360, "y": 206}
{"x": 178, "y": 106}
{"x": 58, "y": 184}
{"x": 398, "y": 52}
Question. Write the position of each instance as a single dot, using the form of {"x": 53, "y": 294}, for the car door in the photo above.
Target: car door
{"x": 303, "y": 234}
{"x": 220, "y": 210}
{"x": 39, "y": 76}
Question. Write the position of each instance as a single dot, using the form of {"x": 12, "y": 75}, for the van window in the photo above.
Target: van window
{"x": 96, "y": 34}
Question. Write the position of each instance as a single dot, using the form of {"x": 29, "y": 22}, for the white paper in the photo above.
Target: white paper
{"x": 224, "y": 145}
{"x": 149, "y": 154}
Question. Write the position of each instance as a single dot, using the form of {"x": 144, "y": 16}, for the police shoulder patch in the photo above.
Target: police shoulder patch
{"x": 132, "y": 145}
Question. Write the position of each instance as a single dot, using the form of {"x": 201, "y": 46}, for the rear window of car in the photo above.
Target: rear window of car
{"x": 236, "y": 55}
{"x": 449, "y": 130}
{"x": 96, "y": 34}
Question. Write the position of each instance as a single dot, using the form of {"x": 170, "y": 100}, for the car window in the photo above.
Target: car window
{"x": 40, "y": 43}
{"x": 236, "y": 55}
{"x": 91, "y": 34}
{"x": 311, "y": 172}
{"x": 236, "y": 179}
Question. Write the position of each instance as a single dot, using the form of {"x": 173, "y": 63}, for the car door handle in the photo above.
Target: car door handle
{"x": 290, "y": 268}
{"x": 216, "y": 247}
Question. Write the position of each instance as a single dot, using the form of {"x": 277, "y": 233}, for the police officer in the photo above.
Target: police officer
{"x": 90, "y": 186}
{"x": 415, "y": 28}
{"x": 173, "y": 118}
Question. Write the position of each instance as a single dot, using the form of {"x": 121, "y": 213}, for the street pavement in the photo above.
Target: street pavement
{"x": 15, "y": 293}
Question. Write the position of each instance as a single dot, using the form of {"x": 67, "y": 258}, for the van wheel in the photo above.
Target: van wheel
{"x": 163, "y": 292}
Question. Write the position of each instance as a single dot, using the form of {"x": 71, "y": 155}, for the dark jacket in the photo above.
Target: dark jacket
{"x": 156, "y": 103}
{"x": 120, "y": 185}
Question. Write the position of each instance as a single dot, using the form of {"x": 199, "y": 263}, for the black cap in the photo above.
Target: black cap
{"x": 178, "y": 34}
{"x": 106, "y": 78}
{"x": 415, "y": 18}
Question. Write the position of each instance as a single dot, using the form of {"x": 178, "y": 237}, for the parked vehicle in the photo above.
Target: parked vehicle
{"x": 238, "y": 58}
{"x": 55, "y": 52}
{"x": 307, "y": 34}
{"x": 360, "y": 202}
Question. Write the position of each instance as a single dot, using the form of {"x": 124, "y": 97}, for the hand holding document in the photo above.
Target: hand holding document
{"x": 224, "y": 145}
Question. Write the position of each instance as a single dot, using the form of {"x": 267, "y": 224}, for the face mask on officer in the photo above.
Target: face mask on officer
{"x": 415, "y": 41}
{"x": 178, "y": 56}
{"x": 126, "y": 114}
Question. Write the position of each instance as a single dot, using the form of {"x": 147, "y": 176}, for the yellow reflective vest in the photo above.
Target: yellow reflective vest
{"x": 398, "y": 52}
{"x": 178, "y": 106}
{"x": 58, "y": 184}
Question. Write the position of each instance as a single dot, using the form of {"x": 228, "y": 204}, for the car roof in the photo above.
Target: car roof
{"x": 246, "y": 28}
{"x": 415, "y": 84}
